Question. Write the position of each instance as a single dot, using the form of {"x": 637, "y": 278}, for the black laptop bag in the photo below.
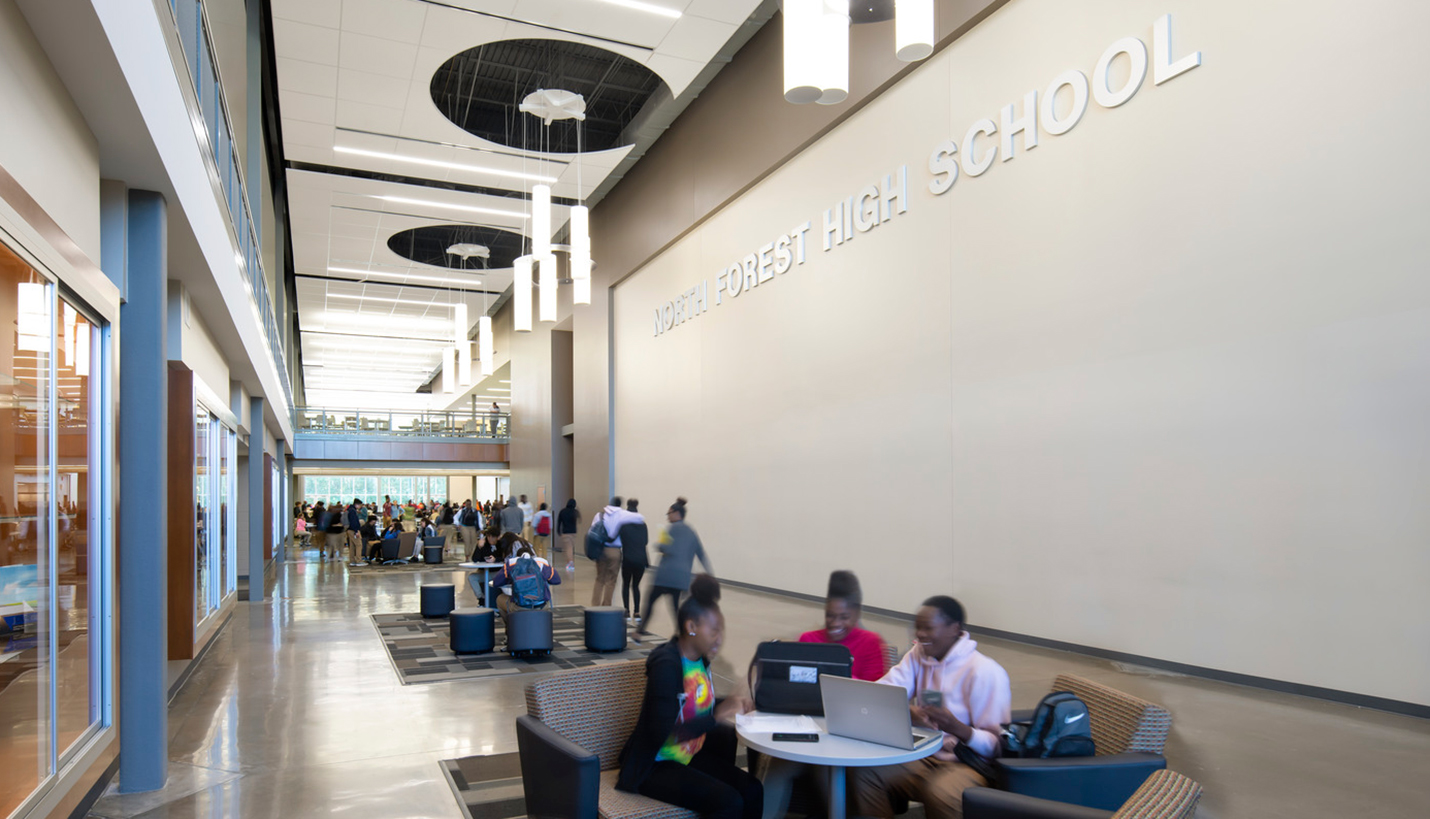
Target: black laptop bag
{"x": 784, "y": 677}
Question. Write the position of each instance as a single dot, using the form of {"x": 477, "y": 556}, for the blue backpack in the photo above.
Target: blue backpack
{"x": 597, "y": 540}
{"x": 528, "y": 587}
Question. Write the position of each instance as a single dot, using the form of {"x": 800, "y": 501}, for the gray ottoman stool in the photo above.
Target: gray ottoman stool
{"x": 605, "y": 628}
{"x": 528, "y": 631}
{"x": 473, "y": 631}
{"x": 438, "y": 599}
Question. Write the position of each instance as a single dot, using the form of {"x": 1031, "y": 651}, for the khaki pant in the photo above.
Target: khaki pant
{"x": 567, "y": 543}
{"x": 937, "y": 784}
{"x": 608, "y": 571}
{"x": 542, "y": 545}
{"x": 354, "y": 546}
{"x": 469, "y": 541}
{"x": 320, "y": 542}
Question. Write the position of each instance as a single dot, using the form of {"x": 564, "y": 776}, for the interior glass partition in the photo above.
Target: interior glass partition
{"x": 51, "y": 545}
{"x": 215, "y": 518}
{"x": 340, "y": 489}
{"x": 203, "y": 585}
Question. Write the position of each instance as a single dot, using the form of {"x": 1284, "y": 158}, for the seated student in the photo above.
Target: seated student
{"x": 508, "y": 545}
{"x": 680, "y": 752}
{"x": 510, "y": 575}
{"x": 974, "y": 698}
{"x": 371, "y": 539}
{"x": 487, "y": 547}
{"x": 842, "y": 606}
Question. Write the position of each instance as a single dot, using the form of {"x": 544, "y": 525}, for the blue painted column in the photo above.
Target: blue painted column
{"x": 142, "y": 475}
{"x": 257, "y": 500}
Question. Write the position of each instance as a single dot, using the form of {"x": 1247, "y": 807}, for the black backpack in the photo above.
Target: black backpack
{"x": 784, "y": 677}
{"x": 528, "y": 587}
{"x": 1059, "y": 728}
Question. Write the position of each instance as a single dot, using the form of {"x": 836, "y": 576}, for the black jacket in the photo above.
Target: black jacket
{"x": 664, "y": 683}
{"x": 634, "y": 537}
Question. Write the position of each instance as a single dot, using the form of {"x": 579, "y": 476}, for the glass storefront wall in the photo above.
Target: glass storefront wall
{"x": 52, "y": 649}
{"x": 215, "y": 521}
{"x": 331, "y": 489}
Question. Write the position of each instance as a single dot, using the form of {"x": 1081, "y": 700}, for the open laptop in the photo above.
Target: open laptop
{"x": 870, "y": 711}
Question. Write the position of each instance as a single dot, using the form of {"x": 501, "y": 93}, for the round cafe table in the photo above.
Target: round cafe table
{"x": 837, "y": 753}
{"x": 486, "y": 570}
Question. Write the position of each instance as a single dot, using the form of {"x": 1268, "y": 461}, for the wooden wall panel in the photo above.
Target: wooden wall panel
{"x": 181, "y": 523}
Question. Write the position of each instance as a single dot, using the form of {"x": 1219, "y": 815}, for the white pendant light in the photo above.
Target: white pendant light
{"x": 801, "y": 41}
{"x": 32, "y": 323}
{"x": 540, "y": 220}
{"x": 484, "y": 344}
{"x": 449, "y": 370}
{"x": 460, "y": 327}
{"x": 580, "y": 255}
{"x": 464, "y": 364}
{"x": 521, "y": 295}
{"x": 549, "y": 281}
{"x": 832, "y": 52}
{"x": 913, "y": 29}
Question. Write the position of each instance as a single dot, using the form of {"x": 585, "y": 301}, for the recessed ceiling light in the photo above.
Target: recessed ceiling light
{"x": 438, "y": 163}
{"x": 424, "y": 203}
{"x": 646, "y": 7}
{"x": 387, "y": 300}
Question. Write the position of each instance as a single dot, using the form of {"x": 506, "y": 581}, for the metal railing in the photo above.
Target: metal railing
{"x": 486, "y": 426}
{"x": 192, "y": 25}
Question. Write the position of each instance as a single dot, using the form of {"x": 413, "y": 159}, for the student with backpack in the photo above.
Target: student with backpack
{"x": 954, "y": 688}
{"x": 530, "y": 578}
{"x": 634, "y": 560}
{"x": 541, "y": 529}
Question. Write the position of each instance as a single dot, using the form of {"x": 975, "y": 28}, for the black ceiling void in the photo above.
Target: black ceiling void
{"x": 480, "y": 89}
{"x": 428, "y": 245}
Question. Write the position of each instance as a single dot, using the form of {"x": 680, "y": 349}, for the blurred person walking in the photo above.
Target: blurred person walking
{"x": 679, "y": 546}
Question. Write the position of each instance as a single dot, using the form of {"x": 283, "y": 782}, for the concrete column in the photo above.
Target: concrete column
{"x": 256, "y": 501}
{"x": 143, "y": 541}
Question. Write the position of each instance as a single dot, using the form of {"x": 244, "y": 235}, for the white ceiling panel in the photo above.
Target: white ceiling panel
{"x": 387, "y": 57}
{"x": 399, "y": 20}
{"x": 694, "y": 35}
{"x": 328, "y": 13}
{"x": 307, "y": 78}
{"x": 367, "y": 117}
{"x": 301, "y": 41}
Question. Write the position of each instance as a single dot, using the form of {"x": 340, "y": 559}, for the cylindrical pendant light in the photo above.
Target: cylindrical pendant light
{"x": 549, "y": 281}
{"x": 449, "y": 370}
{"x": 521, "y": 295}
{"x": 81, "y": 361}
{"x": 801, "y": 41}
{"x": 832, "y": 52}
{"x": 580, "y": 255}
{"x": 484, "y": 345}
{"x": 913, "y": 29}
{"x": 464, "y": 364}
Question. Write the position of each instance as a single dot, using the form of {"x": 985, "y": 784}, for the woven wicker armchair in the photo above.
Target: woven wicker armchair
{"x": 571, "y": 738}
{"x": 1130, "y": 734}
{"x": 1165, "y": 795}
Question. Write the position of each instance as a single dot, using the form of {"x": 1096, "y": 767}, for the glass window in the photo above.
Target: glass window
{"x": 228, "y": 511}
{"x": 77, "y": 599}
{"x": 25, "y": 604}
{"x": 203, "y": 596}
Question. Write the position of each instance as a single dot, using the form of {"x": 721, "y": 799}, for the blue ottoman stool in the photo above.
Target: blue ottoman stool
{"x": 528, "y": 631}
{"x": 432, "y": 554}
{"x": 473, "y": 631}
{"x": 438, "y": 599}
{"x": 605, "y": 628}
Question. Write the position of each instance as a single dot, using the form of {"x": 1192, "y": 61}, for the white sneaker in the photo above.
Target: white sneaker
{"x": 637, "y": 618}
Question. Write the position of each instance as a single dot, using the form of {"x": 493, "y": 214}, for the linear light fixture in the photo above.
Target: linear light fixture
{"x": 438, "y": 163}
{"x": 425, "y": 203}
{"x": 484, "y": 344}
{"x": 521, "y": 295}
{"x": 389, "y": 300}
{"x": 408, "y": 276}
{"x": 650, "y": 8}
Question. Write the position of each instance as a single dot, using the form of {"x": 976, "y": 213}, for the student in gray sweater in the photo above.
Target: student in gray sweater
{"x": 679, "y": 547}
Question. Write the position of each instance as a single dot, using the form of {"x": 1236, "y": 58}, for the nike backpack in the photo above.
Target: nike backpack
{"x": 1059, "y": 728}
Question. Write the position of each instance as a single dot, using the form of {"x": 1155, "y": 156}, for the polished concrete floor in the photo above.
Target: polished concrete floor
{"x": 296, "y": 712}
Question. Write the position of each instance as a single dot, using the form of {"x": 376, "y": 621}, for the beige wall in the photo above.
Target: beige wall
{"x": 1157, "y": 386}
{"x": 45, "y": 143}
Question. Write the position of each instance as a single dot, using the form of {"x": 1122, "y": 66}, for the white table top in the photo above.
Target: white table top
{"x": 835, "y": 750}
{"x": 479, "y": 565}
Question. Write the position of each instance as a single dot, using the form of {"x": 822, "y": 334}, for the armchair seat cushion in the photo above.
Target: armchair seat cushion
{"x": 622, "y": 805}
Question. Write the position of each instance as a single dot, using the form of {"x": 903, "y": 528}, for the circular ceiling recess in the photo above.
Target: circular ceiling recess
{"x": 428, "y": 245}
{"x": 480, "y": 89}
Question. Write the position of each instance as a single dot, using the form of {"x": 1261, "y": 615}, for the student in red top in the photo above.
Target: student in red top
{"x": 843, "y": 604}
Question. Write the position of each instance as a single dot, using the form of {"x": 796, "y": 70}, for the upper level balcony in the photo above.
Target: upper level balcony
{"x": 409, "y": 436}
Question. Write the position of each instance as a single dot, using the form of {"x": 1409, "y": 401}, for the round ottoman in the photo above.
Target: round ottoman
{"x": 605, "y": 628}
{"x": 528, "y": 631}
{"x": 473, "y": 631}
{"x": 431, "y": 554}
{"x": 438, "y": 599}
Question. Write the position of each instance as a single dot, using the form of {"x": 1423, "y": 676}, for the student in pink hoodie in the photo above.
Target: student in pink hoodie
{"x": 951, "y": 687}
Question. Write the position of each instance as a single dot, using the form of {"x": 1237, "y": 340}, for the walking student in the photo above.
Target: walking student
{"x": 679, "y": 547}
{"x": 634, "y": 537}
{"x": 608, "y": 567}
{"x": 541, "y": 531}
{"x": 568, "y": 522}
